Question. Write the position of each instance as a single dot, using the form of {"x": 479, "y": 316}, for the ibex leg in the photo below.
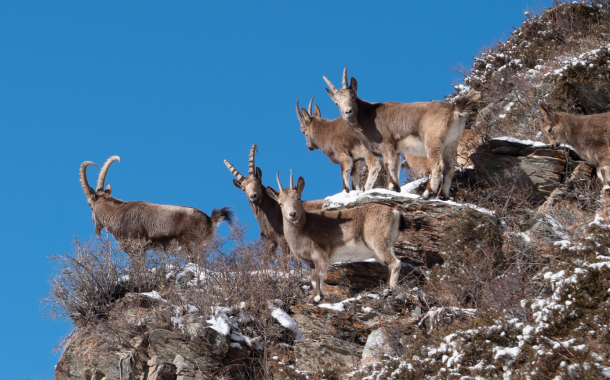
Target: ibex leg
{"x": 374, "y": 166}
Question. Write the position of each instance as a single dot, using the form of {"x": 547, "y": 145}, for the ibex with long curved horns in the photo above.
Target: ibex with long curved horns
{"x": 338, "y": 142}
{"x": 317, "y": 238}
{"x": 146, "y": 225}
{"x": 266, "y": 210}
{"x": 426, "y": 129}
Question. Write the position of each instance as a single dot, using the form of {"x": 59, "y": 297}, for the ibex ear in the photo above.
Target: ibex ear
{"x": 353, "y": 85}
{"x": 306, "y": 116}
{"x": 330, "y": 93}
{"x": 300, "y": 185}
{"x": 272, "y": 193}
{"x": 547, "y": 113}
{"x": 237, "y": 184}
{"x": 316, "y": 111}
{"x": 259, "y": 173}
{"x": 108, "y": 189}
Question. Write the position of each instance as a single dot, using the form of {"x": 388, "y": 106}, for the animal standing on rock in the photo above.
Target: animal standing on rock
{"x": 467, "y": 146}
{"x": 589, "y": 135}
{"x": 317, "y": 238}
{"x": 425, "y": 129}
{"x": 266, "y": 209}
{"x": 338, "y": 142}
{"x": 141, "y": 225}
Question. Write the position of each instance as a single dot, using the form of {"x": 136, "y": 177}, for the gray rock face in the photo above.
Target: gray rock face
{"x": 160, "y": 354}
{"x": 539, "y": 170}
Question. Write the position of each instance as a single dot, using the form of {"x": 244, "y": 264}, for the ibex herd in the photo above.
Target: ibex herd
{"x": 428, "y": 134}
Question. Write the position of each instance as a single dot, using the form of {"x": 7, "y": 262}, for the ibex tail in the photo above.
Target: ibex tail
{"x": 220, "y": 215}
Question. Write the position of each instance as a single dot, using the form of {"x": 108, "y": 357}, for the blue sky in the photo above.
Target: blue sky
{"x": 176, "y": 87}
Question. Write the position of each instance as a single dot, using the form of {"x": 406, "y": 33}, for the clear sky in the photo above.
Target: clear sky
{"x": 176, "y": 87}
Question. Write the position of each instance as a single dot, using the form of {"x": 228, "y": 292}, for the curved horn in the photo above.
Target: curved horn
{"x": 309, "y": 108}
{"x": 102, "y": 177}
{"x": 234, "y": 171}
{"x": 299, "y": 116}
{"x": 345, "y": 78}
{"x": 291, "y": 181}
{"x": 83, "y": 178}
{"x": 279, "y": 184}
{"x": 332, "y": 86}
{"x": 251, "y": 167}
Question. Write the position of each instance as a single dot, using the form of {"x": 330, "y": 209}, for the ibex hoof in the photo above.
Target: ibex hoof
{"x": 316, "y": 300}
{"x": 426, "y": 194}
{"x": 443, "y": 198}
{"x": 386, "y": 292}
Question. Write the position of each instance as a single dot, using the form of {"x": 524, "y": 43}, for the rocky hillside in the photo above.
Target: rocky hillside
{"x": 510, "y": 279}
{"x": 559, "y": 56}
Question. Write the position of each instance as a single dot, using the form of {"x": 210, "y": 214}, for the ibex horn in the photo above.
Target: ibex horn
{"x": 279, "y": 184}
{"x": 234, "y": 171}
{"x": 251, "y": 167}
{"x": 83, "y": 178}
{"x": 102, "y": 177}
{"x": 345, "y": 78}
{"x": 299, "y": 116}
{"x": 332, "y": 86}
{"x": 291, "y": 181}
{"x": 310, "y": 104}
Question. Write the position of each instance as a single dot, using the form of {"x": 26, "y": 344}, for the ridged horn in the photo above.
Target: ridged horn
{"x": 102, "y": 177}
{"x": 332, "y": 86}
{"x": 345, "y": 78}
{"x": 279, "y": 184}
{"x": 83, "y": 178}
{"x": 234, "y": 171}
{"x": 309, "y": 108}
{"x": 251, "y": 167}
{"x": 291, "y": 181}
{"x": 299, "y": 116}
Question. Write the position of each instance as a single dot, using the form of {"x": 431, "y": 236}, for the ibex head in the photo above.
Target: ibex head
{"x": 94, "y": 196}
{"x": 552, "y": 126}
{"x": 289, "y": 199}
{"x": 345, "y": 98}
{"x": 253, "y": 184}
{"x": 305, "y": 118}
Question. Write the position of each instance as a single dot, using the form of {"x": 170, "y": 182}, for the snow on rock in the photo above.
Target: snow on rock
{"x": 524, "y": 142}
{"x": 286, "y": 320}
{"x": 154, "y": 295}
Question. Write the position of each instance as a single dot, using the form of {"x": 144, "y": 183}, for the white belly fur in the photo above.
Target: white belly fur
{"x": 352, "y": 252}
{"x": 411, "y": 145}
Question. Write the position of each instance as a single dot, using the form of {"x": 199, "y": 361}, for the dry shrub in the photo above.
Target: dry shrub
{"x": 472, "y": 251}
{"x": 99, "y": 288}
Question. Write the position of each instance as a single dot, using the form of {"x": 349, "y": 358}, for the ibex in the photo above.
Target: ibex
{"x": 317, "y": 238}
{"x": 467, "y": 146}
{"x": 588, "y": 135}
{"x": 338, "y": 142}
{"x": 266, "y": 210}
{"x": 146, "y": 225}
{"x": 426, "y": 129}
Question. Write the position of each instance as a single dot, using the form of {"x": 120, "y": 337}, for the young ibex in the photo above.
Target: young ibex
{"x": 319, "y": 237}
{"x": 426, "y": 129}
{"x": 588, "y": 135}
{"x": 338, "y": 142}
{"x": 467, "y": 146}
{"x": 266, "y": 210}
{"x": 142, "y": 225}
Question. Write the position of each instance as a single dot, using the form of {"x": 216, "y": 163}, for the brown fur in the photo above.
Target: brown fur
{"x": 468, "y": 145}
{"x": 338, "y": 142}
{"x": 144, "y": 225}
{"x": 425, "y": 129}
{"x": 588, "y": 135}
{"x": 317, "y": 238}
{"x": 267, "y": 212}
